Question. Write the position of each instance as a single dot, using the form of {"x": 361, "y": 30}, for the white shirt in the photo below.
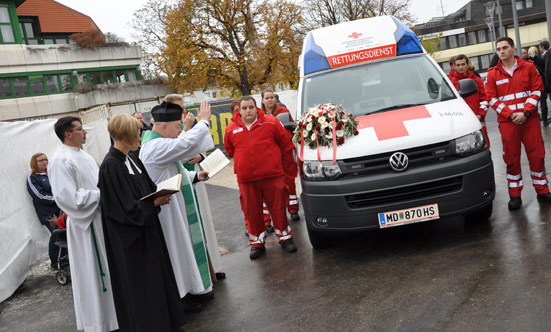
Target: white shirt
{"x": 510, "y": 71}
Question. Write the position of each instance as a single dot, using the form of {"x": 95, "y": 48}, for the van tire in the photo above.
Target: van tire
{"x": 481, "y": 215}
{"x": 319, "y": 240}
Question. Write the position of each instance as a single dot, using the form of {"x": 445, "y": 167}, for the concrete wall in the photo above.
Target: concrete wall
{"x": 22, "y": 58}
{"x": 60, "y": 104}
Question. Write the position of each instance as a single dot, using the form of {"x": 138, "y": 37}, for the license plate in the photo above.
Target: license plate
{"x": 408, "y": 216}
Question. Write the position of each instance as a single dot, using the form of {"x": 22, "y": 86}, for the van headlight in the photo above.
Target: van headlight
{"x": 470, "y": 144}
{"x": 318, "y": 171}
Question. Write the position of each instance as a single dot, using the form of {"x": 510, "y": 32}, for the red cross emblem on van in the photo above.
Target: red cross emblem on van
{"x": 355, "y": 35}
{"x": 390, "y": 124}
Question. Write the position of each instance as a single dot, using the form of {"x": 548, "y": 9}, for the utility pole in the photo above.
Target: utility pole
{"x": 517, "y": 32}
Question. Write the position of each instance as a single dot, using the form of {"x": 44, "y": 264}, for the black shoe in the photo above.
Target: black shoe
{"x": 247, "y": 233}
{"x": 257, "y": 252}
{"x": 515, "y": 203}
{"x": 269, "y": 229}
{"x": 546, "y": 198}
{"x": 220, "y": 275}
{"x": 289, "y": 245}
{"x": 295, "y": 216}
{"x": 202, "y": 298}
{"x": 190, "y": 305}
{"x": 545, "y": 123}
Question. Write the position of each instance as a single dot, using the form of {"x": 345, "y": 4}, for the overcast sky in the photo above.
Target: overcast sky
{"x": 115, "y": 15}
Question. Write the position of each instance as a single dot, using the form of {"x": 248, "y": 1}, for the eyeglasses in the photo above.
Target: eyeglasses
{"x": 42, "y": 160}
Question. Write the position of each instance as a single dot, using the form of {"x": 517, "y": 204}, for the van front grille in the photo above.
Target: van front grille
{"x": 418, "y": 156}
{"x": 401, "y": 194}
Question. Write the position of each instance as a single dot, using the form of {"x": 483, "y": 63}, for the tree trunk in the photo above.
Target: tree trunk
{"x": 245, "y": 86}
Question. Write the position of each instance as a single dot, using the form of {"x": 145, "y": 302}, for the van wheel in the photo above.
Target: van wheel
{"x": 319, "y": 240}
{"x": 481, "y": 215}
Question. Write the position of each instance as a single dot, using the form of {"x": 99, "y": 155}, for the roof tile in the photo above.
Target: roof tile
{"x": 54, "y": 17}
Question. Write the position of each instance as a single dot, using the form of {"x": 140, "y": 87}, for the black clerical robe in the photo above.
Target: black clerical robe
{"x": 144, "y": 289}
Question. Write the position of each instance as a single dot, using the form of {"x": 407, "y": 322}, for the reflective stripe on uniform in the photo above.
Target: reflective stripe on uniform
{"x": 500, "y": 107}
{"x": 287, "y": 231}
{"x": 514, "y": 177}
{"x": 293, "y": 202}
{"x": 537, "y": 174}
{"x": 540, "y": 182}
{"x": 515, "y": 184}
{"x": 532, "y": 101}
{"x": 258, "y": 239}
{"x": 292, "y": 197}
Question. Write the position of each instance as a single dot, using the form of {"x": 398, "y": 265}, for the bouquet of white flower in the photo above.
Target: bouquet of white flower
{"x": 325, "y": 125}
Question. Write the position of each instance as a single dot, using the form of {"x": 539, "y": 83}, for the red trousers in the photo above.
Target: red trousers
{"x": 529, "y": 134}
{"x": 253, "y": 194}
{"x": 291, "y": 200}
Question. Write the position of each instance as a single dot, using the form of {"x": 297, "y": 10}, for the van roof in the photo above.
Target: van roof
{"x": 357, "y": 41}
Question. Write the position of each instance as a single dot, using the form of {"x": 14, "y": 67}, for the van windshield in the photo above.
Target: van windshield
{"x": 378, "y": 87}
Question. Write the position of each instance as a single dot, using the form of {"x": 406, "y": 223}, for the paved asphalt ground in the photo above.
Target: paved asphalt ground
{"x": 444, "y": 275}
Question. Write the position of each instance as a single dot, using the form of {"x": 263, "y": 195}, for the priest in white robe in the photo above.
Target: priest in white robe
{"x": 161, "y": 152}
{"x": 203, "y": 204}
{"x": 73, "y": 176}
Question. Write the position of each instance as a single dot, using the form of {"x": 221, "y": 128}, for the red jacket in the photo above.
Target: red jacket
{"x": 257, "y": 152}
{"x": 280, "y": 109}
{"x": 508, "y": 94}
{"x": 477, "y": 102}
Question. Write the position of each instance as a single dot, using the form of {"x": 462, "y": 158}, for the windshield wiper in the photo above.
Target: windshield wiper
{"x": 395, "y": 107}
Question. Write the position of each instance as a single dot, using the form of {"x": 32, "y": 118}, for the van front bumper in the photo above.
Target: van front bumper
{"x": 459, "y": 186}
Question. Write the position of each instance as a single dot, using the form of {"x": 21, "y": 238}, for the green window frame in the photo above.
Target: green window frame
{"x": 55, "y": 39}
{"x": 60, "y": 81}
{"x": 28, "y": 31}
{"x": 7, "y": 33}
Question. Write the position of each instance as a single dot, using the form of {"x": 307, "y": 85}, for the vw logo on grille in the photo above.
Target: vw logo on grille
{"x": 398, "y": 161}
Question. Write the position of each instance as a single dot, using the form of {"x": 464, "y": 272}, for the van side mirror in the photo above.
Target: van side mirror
{"x": 285, "y": 119}
{"x": 467, "y": 88}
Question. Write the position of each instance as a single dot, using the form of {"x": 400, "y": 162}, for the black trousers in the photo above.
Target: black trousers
{"x": 543, "y": 105}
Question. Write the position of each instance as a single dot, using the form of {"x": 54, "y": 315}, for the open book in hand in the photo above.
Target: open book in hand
{"x": 168, "y": 186}
{"x": 215, "y": 162}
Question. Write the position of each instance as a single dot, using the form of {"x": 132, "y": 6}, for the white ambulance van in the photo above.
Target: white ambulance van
{"x": 420, "y": 153}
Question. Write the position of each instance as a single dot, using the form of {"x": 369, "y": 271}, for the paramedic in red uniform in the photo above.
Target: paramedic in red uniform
{"x": 477, "y": 102}
{"x": 270, "y": 106}
{"x": 513, "y": 89}
{"x": 257, "y": 142}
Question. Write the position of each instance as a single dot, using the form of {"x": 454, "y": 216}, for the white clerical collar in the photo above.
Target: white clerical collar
{"x": 127, "y": 162}
{"x": 74, "y": 148}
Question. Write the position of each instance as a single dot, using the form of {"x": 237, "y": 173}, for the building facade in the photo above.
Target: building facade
{"x": 466, "y": 31}
{"x": 43, "y": 74}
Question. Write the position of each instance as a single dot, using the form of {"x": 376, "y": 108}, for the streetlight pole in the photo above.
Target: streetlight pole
{"x": 501, "y": 28}
{"x": 548, "y": 16}
{"x": 490, "y": 24}
{"x": 517, "y": 33}
{"x": 490, "y": 7}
